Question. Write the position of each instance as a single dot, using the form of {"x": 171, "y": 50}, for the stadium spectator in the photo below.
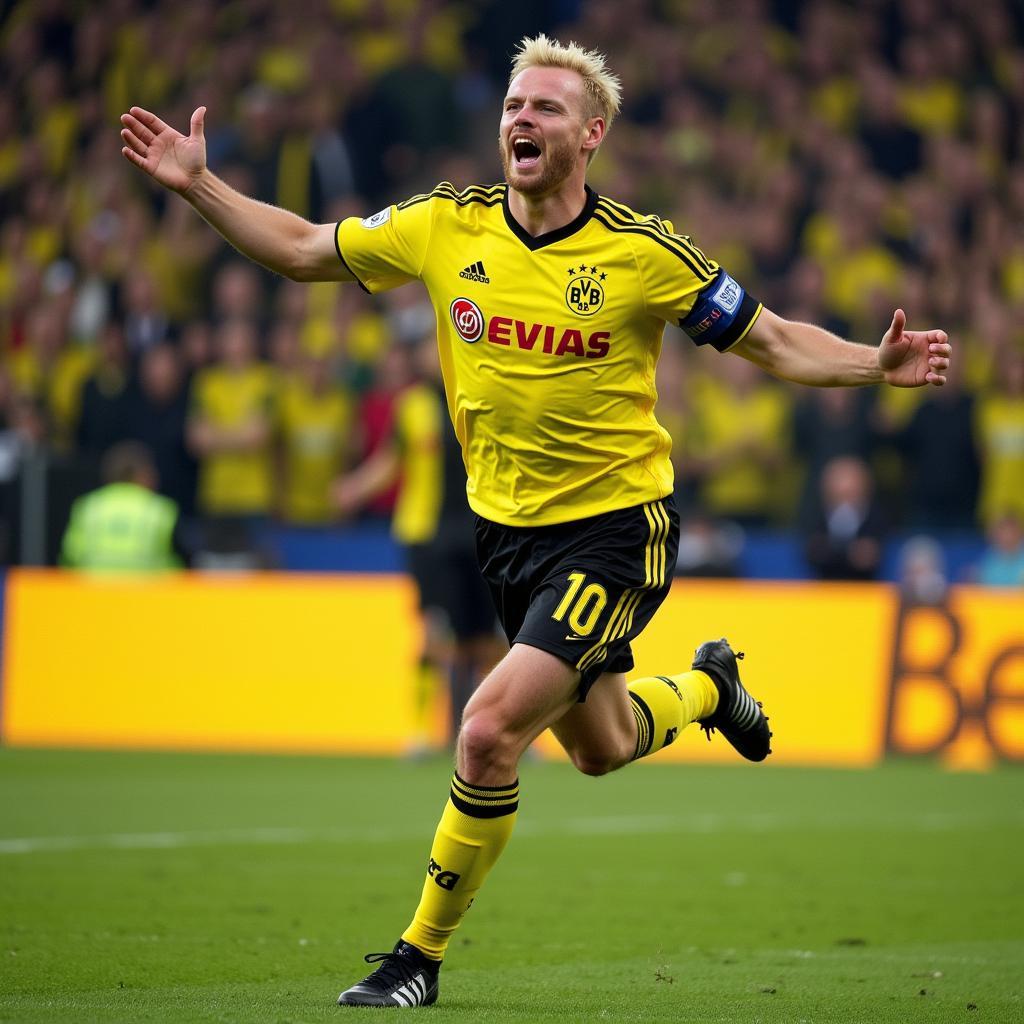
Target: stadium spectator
{"x": 377, "y": 416}
{"x": 124, "y": 525}
{"x": 362, "y": 334}
{"x": 331, "y": 156}
{"x": 236, "y": 293}
{"x": 196, "y": 346}
{"x": 923, "y": 578}
{"x": 829, "y": 424}
{"x": 1003, "y": 562}
{"x": 50, "y": 370}
{"x": 940, "y": 469}
{"x": 300, "y": 163}
{"x": 708, "y": 548}
{"x": 93, "y": 291}
{"x": 158, "y": 417}
{"x": 285, "y": 350}
{"x": 845, "y": 542}
{"x": 416, "y": 100}
{"x": 314, "y": 432}
{"x": 738, "y": 442}
{"x": 23, "y": 436}
{"x": 229, "y": 431}
{"x": 1001, "y": 432}
{"x": 257, "y": 144}
{"x": 895, "y": 147}
{"x": 145, "y": 321}
{"x": 106, "y": 403}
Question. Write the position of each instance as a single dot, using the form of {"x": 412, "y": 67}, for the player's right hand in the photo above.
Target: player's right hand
{"x": 173, "y": 159}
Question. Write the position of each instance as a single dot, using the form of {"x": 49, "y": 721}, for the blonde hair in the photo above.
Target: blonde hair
{"x": 601, "y": 87}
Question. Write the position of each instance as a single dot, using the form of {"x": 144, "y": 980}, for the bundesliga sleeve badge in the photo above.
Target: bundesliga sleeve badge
{"x": 381, "y": 217}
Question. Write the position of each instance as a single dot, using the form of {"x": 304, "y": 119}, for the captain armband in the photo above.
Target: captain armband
{"x": 721, "y": 315}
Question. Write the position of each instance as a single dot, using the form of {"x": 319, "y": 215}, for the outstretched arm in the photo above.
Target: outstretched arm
{"x": 280, "y": 240}
{"x": 369, "y": 479}
{"x": 811, "y": 355}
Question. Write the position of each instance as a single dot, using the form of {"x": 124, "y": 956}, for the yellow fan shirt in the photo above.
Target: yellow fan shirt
{"x": 234, "y": 483}
{"x": 419, "y": 433}
{"x": 315, "y": 432}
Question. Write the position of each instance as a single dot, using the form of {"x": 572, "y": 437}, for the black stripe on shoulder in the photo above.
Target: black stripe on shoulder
{"x": 692, "y": 256}
{"x": 483, "y": 198}
{"x": 413, "y": 200}
{"x": 663, "y": 240}
{"x": 655, "y": 223}
{"x": 486, "y": 195}
{"x": 490, "y": 191}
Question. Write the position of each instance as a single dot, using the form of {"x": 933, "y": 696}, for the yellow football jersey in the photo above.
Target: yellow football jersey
{"x": 548, "y": 345}
{"x": 315, "y": 431}
{"x": 234, "y": 482}
{"x": 1000, "y": 425}
{"x": 419, "y": 432}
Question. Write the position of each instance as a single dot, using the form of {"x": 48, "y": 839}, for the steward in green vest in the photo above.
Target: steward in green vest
{"x": 124, "y": 525}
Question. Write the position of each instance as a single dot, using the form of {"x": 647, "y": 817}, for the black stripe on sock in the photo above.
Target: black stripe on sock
{"x": 510, "y": 788}
{"x": 490, "y": 798}
{"x": 485, "y": 810}
{"x": 645, "y": 736}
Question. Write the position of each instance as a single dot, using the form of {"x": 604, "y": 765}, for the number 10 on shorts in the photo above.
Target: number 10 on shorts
{"x": 583, "y": 602}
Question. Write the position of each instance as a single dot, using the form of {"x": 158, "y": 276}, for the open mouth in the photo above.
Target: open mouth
{"x": 525, "y": 151}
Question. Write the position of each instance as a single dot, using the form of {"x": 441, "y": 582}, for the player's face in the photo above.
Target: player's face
{"x": 543, "y": 129}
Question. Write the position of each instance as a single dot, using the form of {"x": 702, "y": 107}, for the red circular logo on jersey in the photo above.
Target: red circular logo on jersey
{"x": 468, "y": 319}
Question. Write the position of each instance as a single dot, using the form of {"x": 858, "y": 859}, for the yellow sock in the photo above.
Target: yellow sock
{"x": 665, "y": 705}
{"x": 474, "y": 828}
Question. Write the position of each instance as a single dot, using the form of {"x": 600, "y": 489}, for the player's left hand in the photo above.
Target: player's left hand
{"x": 911, "y": 359}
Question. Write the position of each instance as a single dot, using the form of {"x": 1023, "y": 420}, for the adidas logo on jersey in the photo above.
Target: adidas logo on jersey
{"x": 476, "y": 272}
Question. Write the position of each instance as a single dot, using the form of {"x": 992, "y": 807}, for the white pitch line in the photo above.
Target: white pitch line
{"x": 653, "y": 824}
{"x": 178, "y": 840}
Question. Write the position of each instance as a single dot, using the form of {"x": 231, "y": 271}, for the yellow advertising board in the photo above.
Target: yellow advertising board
{"x": 255, "y": 662}
{"x": 324, "y": 663}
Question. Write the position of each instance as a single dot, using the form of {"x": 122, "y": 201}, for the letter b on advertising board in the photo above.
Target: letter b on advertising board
{"x": 957, "y": 678}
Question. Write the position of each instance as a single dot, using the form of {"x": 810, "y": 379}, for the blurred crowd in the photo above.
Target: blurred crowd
{"x": 838, "y": 158}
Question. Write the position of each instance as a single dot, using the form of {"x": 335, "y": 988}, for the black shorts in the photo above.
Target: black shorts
{"x": 582, "y": 590}
{"x": 448, "y": 579}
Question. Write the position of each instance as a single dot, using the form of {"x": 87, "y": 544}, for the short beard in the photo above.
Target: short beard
{"x": 560, "y": 162}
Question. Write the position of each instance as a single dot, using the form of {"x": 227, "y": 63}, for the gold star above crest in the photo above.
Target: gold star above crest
{"x": 583, "y": 268}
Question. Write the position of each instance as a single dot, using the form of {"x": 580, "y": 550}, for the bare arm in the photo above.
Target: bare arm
{"x": 366, "y": 481}
{"x": 280, "y": 240}
{"x": 811, "y": 355}
{"x": 207, "y": 438}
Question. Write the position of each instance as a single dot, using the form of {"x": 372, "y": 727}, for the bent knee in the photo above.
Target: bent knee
{"x": 481, "y": 734}
{"x": 593, "y": 764}
{"x": 486, "y": 744}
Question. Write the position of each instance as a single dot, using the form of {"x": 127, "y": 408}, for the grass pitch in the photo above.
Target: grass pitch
{"x": 155, "y": 887}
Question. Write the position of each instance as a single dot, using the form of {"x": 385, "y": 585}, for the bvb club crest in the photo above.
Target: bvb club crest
{"x": 585, "y": 293}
